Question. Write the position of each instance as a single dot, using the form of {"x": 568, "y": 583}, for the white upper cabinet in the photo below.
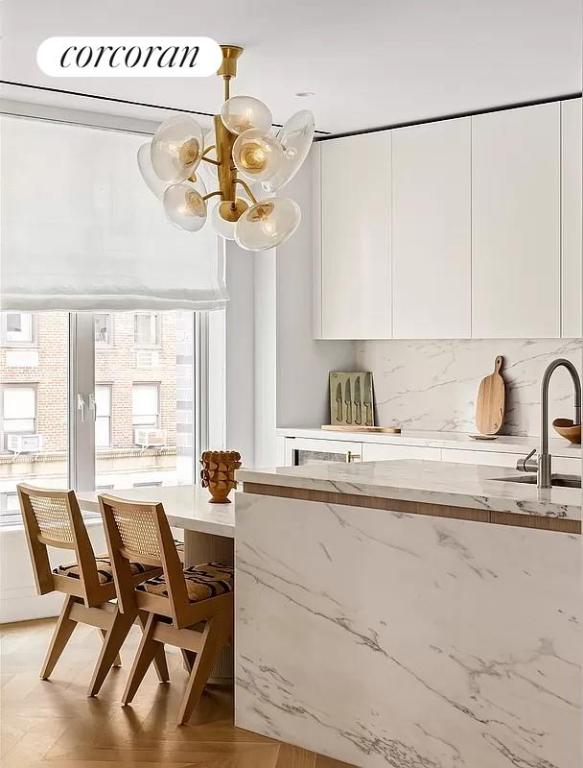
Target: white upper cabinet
{"x": 572, "y": 277}
{"x": 355, "y": 249}
{"x": 431, "y": 230}
{"x": 516, "y": 174}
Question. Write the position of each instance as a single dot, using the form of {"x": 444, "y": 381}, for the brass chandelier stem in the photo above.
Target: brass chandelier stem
{"x": 224, "y": 139}
{"x": 247, "y": 190}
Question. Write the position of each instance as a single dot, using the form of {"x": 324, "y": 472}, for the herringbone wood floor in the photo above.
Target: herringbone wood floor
{"x": 54, "y": 723}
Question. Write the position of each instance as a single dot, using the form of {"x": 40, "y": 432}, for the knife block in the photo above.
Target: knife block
{"x": 218, "y": 474}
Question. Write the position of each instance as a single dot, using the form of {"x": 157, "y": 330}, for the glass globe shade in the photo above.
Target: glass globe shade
{"x": 257, "y": 157}
{"x": 185, "y": 206}
{"x": 224, "y": 217}
{"x": 296, "y": 138}
{"x": 267, "y": 224}
{"x": 156, "y": 186}
{"x": 177, "y": 148}
{"x": 243, "y": 113}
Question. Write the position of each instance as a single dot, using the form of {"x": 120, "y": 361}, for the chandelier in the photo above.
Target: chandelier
{"x": 245, "y": 159}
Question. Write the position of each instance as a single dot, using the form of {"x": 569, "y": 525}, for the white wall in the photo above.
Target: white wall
{"x": 303, "y": 363}
{"x": 240, "y": 352}
{"x": 18, "y": 597}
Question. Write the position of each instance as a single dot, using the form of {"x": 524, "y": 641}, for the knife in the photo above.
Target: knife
{"x": 367, "y": 400}
{"x": 348, "y": 402}
{"x": 357, "y": 402}
{"x": 339, "y": 402}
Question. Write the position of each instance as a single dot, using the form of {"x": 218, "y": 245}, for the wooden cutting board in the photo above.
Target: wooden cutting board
{"x": 357, "y": 428}
{"x": 491, "y": 401}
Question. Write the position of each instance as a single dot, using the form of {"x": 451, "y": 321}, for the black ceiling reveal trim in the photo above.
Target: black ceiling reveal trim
{"x": 118, "y": 101}
{"x": 428, "y": 120}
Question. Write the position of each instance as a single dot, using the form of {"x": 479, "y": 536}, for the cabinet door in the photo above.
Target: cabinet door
{"x": 516, "y": 223}
{"x": 431, "y": 230}
{"x": 355, "y": 254}
{"x": 571, "y": 214}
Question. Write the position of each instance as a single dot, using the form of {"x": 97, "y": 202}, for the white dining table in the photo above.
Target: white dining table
{"x": 209, "y": 529}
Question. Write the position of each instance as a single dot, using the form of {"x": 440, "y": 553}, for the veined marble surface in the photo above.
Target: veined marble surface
{"x": 456, "y": 485}
{"x": 433, "y": 384}
{"x": 390, "y": 640}
{"x": 434, "y": 439}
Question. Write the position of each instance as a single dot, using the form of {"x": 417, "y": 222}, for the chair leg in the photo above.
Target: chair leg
{"x": 160, "y": 659}
{"x": 60, "y": 638}
{"x": 214, "y": 637}
{"x": 114, "y": 638}
{"x": 146, "y": 652}
{"x": 117, "y": 662}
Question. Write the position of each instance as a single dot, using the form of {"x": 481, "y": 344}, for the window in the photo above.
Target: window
{"x": 18, "y": 409}
{"x": 17, "y": 328}
{"x": 146, "y": 329}
{"x": 161, "y": 402}
{"x": 103, "y": 329}
{"x": 145, "y": 405}
{"x": 34, "y": 401}
{"x": 102, "y": 415}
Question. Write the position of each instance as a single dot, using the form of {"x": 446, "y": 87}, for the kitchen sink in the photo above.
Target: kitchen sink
{"x": 557, "y": 481}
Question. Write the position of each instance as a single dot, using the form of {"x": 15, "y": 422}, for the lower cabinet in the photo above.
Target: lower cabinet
{"x": 301, "y": 451}
{"x": 380, "y": 452}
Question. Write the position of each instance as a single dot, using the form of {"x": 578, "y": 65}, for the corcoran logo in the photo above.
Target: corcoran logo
{"x": 129, "y": 56}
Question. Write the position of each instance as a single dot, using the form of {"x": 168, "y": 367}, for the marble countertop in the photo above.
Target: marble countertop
{"x": 186, "y": 506}
{"x": 462, "y": 440}
{"x": 457, "y": 485}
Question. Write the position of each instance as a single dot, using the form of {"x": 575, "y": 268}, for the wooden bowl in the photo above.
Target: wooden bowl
{"x": 565, "y": 428}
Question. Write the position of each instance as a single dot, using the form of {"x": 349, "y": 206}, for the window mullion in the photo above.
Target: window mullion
{"x": 82, "y": 401}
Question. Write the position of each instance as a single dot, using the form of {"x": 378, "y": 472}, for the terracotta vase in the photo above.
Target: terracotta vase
{"x": 218, "y": 474}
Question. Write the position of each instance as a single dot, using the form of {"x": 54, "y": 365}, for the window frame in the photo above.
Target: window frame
{"x": 106, "y": 385}
{"x": 5, "y": 342}
{"x": 156, "y": 321}
{"x": 156, "y": 385}
{"x": 102, "y": 345}
{"x": 6, "y": 386}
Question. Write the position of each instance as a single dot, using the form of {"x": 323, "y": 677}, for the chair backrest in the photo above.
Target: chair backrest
{"x": 140, "y": 532}
{"x": 53, "y": 519}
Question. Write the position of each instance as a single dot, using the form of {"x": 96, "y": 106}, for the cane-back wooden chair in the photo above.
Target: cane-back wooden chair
{"x": 189, "y": 608}
{"x": 53, "y": 519}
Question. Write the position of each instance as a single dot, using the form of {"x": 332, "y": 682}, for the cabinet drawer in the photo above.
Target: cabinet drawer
{"x": 379, "y": 452}
{"x": 302, "y": 450}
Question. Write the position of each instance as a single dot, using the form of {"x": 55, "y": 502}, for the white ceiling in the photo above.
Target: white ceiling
{"x": 369, "y": 62}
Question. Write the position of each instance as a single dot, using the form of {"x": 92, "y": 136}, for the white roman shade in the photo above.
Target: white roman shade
{"x": 81, "y": 231}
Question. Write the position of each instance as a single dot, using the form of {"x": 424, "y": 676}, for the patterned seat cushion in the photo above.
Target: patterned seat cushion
{"x": 104, "y": 569}
{"x": 202, "y": 581}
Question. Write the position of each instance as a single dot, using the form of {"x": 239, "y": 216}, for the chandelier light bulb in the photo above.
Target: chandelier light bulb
{"x": 244, "y": 113}
{"x": 296, "y": 138}
{"x": 224, "y": 217}
{"x": 177, "y": 148}
{"x": 156, "y": 186}
{"x": 257, "y": 156}
{"x": 185, "y": 206}
{"x": 267, "y": 224}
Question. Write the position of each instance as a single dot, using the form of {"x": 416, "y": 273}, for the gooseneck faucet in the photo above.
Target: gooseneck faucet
{"x": 542, "y": 465}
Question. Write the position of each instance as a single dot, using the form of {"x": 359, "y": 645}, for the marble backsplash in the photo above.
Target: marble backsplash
{"x": 433, "y": 384}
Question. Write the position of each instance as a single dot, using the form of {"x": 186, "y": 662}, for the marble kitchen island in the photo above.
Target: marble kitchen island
{"x": 410, "y": 614}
